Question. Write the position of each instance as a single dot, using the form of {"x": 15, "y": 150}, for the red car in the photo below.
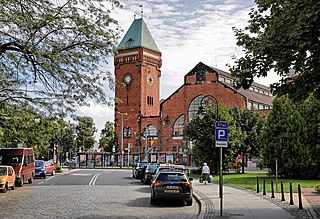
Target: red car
{"x": 50, "y": 168}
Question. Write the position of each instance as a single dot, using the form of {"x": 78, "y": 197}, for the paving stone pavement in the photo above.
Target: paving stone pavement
{"x": 207, "y": 197}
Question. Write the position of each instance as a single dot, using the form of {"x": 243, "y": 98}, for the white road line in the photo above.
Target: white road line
{"x": 94, "y": 179}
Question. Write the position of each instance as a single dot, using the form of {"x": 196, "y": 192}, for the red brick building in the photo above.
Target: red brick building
{"x": 153, "y": 128}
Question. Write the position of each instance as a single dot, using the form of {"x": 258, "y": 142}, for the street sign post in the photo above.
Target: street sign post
{"x": 221, "y": 137}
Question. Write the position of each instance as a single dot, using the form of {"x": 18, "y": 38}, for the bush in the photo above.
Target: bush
{"x": 317, "y": 188}
{"x": 58, "y": 168}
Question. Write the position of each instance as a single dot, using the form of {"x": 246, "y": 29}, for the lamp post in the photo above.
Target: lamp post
{"x": 121, "y": 139}
{"x": 146, "y": 134}
{"x": 201, "y": 113}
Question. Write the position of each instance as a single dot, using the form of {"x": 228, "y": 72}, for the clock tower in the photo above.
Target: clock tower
{"x": 137, "y": 74}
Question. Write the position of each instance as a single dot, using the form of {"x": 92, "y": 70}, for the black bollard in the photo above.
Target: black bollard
{"x": 272, "y": 190}
{"x": 264, "y": 186}
{"x": 282, "y": 192}
{"x": 300, "y": 198}
{"x": 258, "y": 184}
{"x": 291, "y": 196}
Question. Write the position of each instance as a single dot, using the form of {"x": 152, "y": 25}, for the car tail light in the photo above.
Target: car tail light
{"x": 157, "y": 183}
{"x": 188, "y": 184}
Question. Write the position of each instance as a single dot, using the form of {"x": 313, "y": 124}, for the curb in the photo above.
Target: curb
{"x": 201, "y": 204}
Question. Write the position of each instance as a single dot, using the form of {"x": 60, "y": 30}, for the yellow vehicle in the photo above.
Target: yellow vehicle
{"x": 7, "y": 178}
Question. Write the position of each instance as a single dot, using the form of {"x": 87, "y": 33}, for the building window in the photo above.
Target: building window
{"x": 250, "y": 106}
{"x": 150, "y": 131}
{"x": 200, "y": 75}
{"x": 124, "y": 132}
{"x": 129, "y": 132}
{"x": 178, "y": 126}
{"x": 194, "y": 106}
{"x": 149, "y": 101}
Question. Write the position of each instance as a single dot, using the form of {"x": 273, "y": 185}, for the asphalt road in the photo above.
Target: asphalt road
{"x": 105, "y": 193}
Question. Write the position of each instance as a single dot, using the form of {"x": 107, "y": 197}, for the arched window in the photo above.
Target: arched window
{"x": 194, "y": 107}
{"x": 178, "y": 126}
{"x": 195, "y": 104}
{"x": 150, "y": 131}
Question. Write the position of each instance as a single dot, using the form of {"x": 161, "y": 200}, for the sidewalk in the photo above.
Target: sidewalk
{"x": 245, "y": 204}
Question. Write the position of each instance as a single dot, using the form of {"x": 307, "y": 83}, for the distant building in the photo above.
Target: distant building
{"x": 153, "y": 128}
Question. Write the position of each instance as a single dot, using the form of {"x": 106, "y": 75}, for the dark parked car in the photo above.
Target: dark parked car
{"x": 149, "y": 173}
{"x": 171, "y": 185}
{"x": 137, "y": 170}
{"x": 43, "y": 168}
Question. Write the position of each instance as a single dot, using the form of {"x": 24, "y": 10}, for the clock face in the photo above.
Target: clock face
{"x": 150, "y": 79}
{"x": 127, "y": 79}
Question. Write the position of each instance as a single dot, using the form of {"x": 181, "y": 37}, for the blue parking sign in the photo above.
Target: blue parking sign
{"x": 221, "y": 134}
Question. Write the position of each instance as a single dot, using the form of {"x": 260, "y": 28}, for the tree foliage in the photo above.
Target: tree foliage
{"x": 106, "y": 137}
{"x": 285, "y": 138}
{"x": 202, "y": 134}
{"x": 52, "y": 52}
{"x": 27, "y": 128}
{"x": 85, "y": 130}
{"x": 250, "y": 122}
{"x": 281, "y": 35}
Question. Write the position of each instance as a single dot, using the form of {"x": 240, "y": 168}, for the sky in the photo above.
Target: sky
{"x": 186, "y": 32}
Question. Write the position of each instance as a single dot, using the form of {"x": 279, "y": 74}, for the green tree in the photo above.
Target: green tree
{"x": 202, "y": 134}
{"x": 310, "y": 111}
{"x": 283, "y": 139}
{"x": 106, "y": 137}
{"x": 28, "y": 128}
{"x": 53, "y": 52}
{"x": 281, "y": 35}
{"x": 85, "y": 130}
{"x": 250, "y": 122}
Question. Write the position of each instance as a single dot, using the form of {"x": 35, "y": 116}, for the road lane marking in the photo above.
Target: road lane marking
{"x": 80, "y": 174}
{"x": 94, "y": 179}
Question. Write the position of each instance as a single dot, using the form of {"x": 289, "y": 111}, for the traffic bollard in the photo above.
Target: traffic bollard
{"x": 300, "y": 198}
{"x": 291, "y": 196}
{"x": 264, "y": 186}
{"x": 282, "y": 192}
{"x": 272, "y": 190}
{"x": 258, "y": 184}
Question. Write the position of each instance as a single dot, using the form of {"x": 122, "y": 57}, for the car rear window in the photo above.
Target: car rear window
{"x": 178, "y": 177}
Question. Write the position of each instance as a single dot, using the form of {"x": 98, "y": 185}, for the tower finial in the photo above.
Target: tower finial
{"x": 141, "y": 11}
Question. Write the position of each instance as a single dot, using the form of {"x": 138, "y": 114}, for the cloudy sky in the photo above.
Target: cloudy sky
{"x": 186, "y": 32}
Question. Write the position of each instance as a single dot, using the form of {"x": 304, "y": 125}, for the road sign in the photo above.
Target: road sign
{"x": 221, "y": 144}
{"x": 221, "y": 136}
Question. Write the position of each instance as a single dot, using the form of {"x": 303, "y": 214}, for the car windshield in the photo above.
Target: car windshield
{"x": 12, "y": 160}
{"x": 3, "y": 171}
{"x": 178, "y": 177}
{"x": 141, "y": 165}
{"x": 39, "y": 163}
{"x": 152, "y": 168}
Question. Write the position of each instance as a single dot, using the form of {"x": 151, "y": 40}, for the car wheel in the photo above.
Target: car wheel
{"x": 21, "y": 182}
{"x": 53, "y": 173}
{"x": 44, "y": 176}
{"x": 5, "y": 189}
{"x": 30, "y": 180}
{"x": 152, "y": 201}
{"x": 189, "y": 202}
{"x": 13, "y": 187}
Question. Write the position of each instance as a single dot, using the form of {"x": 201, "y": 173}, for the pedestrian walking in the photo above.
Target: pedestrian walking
{"x": 205, "y": 172}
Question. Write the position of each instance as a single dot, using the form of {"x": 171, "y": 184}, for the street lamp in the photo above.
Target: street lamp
{"x": 121, "y": 143}
{"x": 201, "y": 114}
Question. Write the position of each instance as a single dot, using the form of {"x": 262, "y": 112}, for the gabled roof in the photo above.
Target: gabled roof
{"x": 137, "y": 36}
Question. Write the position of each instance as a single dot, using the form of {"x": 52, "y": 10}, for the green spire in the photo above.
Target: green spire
{"x": 137, "y": 36}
